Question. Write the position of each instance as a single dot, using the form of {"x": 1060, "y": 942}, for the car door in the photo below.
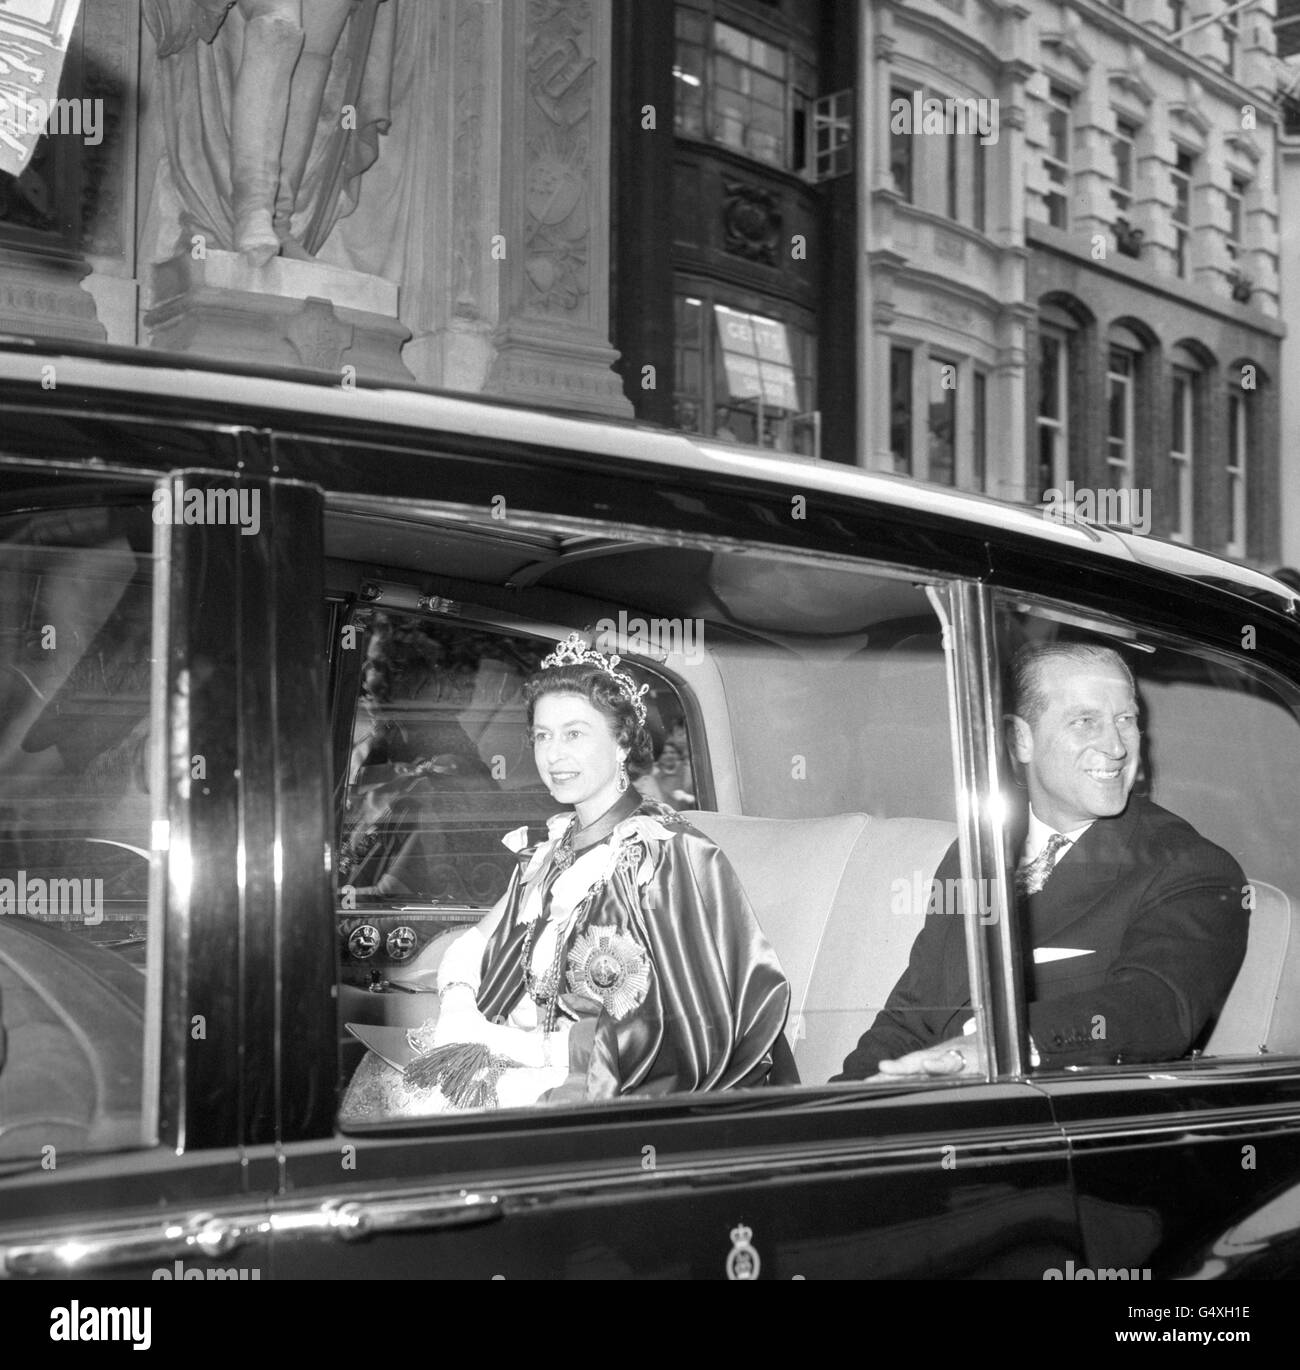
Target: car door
{"x": 134, "y": 970}
{"x": 1187, "y": 1168}
{"x": 942, "y": 1178}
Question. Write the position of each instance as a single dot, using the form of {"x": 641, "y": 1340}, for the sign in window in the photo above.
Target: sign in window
{"x": 756, "y": 356}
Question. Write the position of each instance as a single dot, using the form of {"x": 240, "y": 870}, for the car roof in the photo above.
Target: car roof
{"x": 130, "y": 370}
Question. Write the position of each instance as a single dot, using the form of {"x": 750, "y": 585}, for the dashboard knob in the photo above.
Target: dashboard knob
{"x": 401, "y": 943}
{"x": 363, "y": 941}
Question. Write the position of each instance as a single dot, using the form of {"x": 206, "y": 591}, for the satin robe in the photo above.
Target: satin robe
{"x": 717, "y": 998}
{"x": 714, "y": 1001}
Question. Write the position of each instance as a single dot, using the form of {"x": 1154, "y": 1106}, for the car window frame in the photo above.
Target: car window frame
{"x": 1124, "y": 629}
{"x": 997, "y": 1024}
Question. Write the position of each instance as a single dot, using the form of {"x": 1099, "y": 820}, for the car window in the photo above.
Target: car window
{"x": 77, "y": 739}
{"x": 1165, "y": 929}
{"x": 799, "y": 723}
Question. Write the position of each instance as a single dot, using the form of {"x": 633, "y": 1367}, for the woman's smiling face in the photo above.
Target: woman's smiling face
{"x": 576, "y": 753}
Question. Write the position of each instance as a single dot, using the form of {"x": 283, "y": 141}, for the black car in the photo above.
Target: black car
{"x": 259, "y": 632}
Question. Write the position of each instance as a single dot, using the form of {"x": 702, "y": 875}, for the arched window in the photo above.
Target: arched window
{"x": 1126, "y": 383}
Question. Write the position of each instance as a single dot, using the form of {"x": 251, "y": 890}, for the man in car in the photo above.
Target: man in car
{"x": 1136, "y": 922}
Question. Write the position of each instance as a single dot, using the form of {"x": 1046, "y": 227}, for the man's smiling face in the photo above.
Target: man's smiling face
{"x": 1081, "y": 755}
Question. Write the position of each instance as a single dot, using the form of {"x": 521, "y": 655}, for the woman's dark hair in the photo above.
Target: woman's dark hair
{"x": 602, "y": 692}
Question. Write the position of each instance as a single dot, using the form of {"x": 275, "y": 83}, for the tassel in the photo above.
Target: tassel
{"x": 465, "y": 1072}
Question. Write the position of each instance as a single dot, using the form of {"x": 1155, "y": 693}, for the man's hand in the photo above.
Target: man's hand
{"x": 956, "y": 1056}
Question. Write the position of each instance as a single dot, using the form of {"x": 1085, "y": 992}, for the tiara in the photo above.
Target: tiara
{"x": 573, "y": 651}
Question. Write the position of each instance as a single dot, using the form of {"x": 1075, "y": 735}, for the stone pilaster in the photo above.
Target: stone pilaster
{"x": 550, "y": 243}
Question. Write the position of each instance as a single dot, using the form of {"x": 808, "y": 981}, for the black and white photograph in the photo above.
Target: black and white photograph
{"x": 649, "y": 640}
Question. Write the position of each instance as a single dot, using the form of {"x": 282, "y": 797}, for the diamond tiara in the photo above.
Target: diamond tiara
{"x": 574, "y": 651}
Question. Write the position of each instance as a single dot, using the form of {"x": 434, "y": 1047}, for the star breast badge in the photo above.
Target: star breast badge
{"x": 607, "y": 966}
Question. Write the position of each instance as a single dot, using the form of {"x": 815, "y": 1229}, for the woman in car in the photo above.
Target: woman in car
{"x": 623, "y": 958}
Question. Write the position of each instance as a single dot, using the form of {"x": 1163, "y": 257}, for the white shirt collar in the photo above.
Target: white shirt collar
{"x": 1040, "y": 834}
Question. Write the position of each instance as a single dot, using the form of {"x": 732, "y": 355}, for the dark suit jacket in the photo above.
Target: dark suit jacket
{"x": 1157, "y": 908}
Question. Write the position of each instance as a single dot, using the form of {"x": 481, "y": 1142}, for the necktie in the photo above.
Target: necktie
{"x": 1032, "y": 876}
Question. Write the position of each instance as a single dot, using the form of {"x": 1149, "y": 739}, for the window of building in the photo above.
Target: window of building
{"x": 748, "y": 97}
{"x": 900, "y": 153}
{"x": 979, "y": 188}
{"x": 1053, "y": 412}
{"x": 1122, "y": 147}
{"x": 743, "y": 375}
{"x": 1182, "y": 446}
{"x": 1236, "y": 197}
{"x": 1230, "y": 40}
{"x": 1121, "y": 379}
{"x": 941, "y": 421}
{"x": 832, "y": 135}
{"x": 1177, "y": 19}
{"x": 1238, "y": 452}
{"x": 688, "y": 72}
{"x": 1184, "y": 167}
{"x": 900, "y": 409}
{"x": 980, "y": 433}
{"x": 1056, "y": 160}
{"x": 688, "y": 388}
{"x": 746, "y": 92}
{"x": 952, "y": 178}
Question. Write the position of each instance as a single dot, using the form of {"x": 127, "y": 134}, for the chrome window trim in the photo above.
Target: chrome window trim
{"x": 991, "y": 954}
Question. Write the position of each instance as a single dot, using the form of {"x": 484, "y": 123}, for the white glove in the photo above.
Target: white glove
{"x": 462, "y": 961}
{"x": 459, "y": 1020}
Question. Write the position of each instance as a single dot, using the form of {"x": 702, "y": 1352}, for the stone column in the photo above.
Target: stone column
{"x": 547, "y": 218}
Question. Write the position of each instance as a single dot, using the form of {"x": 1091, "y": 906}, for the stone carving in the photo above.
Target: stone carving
{"x": 467, "y": 158}
{"x": 557, "y": 178}
{"x": 751, "y": 219}
{"x": 955, "y": 315}
{"x": 302, "y": 89}
{"x": 319, "y": 337}
{"x": 949, "y": 245}
{"x": 947, "y": 60}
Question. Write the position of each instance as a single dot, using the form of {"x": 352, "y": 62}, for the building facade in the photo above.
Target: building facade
{"x": 1286, "y": 31}
{"x": 736, "y": 219}
{"x": 1102, "y": 275}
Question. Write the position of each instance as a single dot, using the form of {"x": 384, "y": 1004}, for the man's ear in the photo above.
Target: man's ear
{"x": 1020, "y": 740}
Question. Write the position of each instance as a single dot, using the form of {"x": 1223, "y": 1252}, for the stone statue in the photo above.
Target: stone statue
{"x": 272, "y": 111}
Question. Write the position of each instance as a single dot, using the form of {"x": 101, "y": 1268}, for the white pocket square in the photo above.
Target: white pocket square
{"x": 1044, "y": 954}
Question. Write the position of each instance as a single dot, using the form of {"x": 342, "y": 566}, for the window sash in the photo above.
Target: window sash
{"x": 1056, "y": 157}
{"x": 1120, "y": 377}
{"x": 1182, "y": 448}
{"x": 941, "y": 423}
{"x": 900, "y": 409}
{"x": 1053, "y": 410}
{"x": 1238, "y": 451}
